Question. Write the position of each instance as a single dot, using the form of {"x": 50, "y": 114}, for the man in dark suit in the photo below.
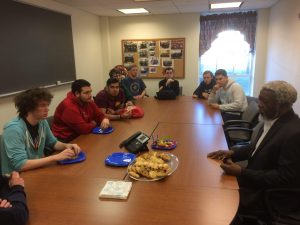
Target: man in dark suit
{"x": 274, "y": 159}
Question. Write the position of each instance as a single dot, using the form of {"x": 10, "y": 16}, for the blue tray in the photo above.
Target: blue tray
{"x": 81, "y": 157}
{"x": 98, "y": 130}
{"x": 119, "y": 159}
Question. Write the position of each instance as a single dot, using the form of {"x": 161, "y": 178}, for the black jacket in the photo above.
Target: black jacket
{"x": 275, "y": 164}
{"x": 174, "y": 86}
{"x": 204, "y": 88}
{"x": 18, "y": 213}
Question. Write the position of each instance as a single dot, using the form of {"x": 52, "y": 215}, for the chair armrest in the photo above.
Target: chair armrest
{"x": 237, "y": 123}
{"x": 232, "y": 111}
{"x": 236, "y": 135}
{"x": 243, "y": 129}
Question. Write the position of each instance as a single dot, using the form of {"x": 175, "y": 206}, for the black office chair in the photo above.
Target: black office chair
{"x": 180, "y": 91}
{"x": 50, "y": 120}
{"x": 251, "y": 98}
{"x": 239, "y": 136}
{"x": 283, "y": 206}
{"x": 48, "y": 151}
{"x": 249, "y": 118}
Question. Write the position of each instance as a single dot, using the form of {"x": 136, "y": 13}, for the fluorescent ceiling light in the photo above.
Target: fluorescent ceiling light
{"x": 133, "y": 11}
{"x": 225, "y": 5}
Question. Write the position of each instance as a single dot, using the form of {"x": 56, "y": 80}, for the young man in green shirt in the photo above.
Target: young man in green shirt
{"x": 25, "y": 137}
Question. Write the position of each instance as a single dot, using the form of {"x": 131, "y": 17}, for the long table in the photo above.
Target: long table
{"x": 196, "y": 193}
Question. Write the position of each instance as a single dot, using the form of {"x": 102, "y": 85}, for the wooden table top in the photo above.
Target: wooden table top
{"x": 196, "y": 193}
{"x": 72, "y": 200}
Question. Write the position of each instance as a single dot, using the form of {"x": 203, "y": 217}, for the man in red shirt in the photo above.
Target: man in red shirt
{"x": 77, "y": 113}
{"x": 112, "y": 101}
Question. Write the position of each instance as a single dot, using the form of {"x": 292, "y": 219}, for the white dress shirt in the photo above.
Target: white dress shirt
{"x": 267, "y": 126}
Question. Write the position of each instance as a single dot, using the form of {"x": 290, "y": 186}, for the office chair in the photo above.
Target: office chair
{"x": 180, "y": 91}
{"x": 249, "y": 118}
{"x": 283, "y": 206}
{"x": 240, "y": 136}
{"x": 251, "y": 98}
{"x": 47, "y": 150}
{"x": 50, "y": 120}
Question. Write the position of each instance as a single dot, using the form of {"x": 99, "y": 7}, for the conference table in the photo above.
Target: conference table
{"x": 198, "y": 192}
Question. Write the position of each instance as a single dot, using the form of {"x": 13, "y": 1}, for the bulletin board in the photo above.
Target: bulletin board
{"x": 153, "y": 55}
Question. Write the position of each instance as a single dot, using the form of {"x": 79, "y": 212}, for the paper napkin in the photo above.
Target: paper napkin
{"x": 116, "y": 189}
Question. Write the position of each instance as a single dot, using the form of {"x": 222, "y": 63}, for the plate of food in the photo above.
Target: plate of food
{"x": 119, "y": 159}
{"x": 152, "y": 166}
{"x": 80, "y": 157}
{"x": 164, "y": 144}
{"x": 98, "y": 130}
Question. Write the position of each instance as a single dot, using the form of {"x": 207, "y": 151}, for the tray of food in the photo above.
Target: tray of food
{"x": 152, "y": 166}
{"x": 164, "y": 144}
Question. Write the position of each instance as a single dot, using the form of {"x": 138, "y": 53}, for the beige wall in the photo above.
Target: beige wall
{"x": 88, "y": 57}
{"x": 180, "y": 25}
{"x": 261, "y": 49}
{"x": 283, "y": 57}
{"x": 159, "y": 26}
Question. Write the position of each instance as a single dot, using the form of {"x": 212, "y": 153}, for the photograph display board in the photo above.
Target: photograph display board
{"x": 153, "y": 55}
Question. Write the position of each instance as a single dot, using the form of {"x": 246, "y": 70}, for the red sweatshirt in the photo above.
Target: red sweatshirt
{"x": 72, "y": 118}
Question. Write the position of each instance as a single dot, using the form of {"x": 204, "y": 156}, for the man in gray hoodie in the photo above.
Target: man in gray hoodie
{"x": 227, "y": 95}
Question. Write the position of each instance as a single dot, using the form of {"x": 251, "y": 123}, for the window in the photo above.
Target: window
{"x": 230, "y": 52}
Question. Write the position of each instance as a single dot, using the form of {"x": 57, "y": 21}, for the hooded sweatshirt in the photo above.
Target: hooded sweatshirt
{"x": 72, "y": 118}
{"x": 231, "y": 97}
{"x": 17, "y": 145}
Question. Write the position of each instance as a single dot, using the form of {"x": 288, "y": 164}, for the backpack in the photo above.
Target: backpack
{"x": 165, "y": 95}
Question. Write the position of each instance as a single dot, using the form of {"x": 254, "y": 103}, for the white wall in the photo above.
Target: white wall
{"x": 88, "y": 57}
{"x": 159, "y": 26}
{"x": 283, "y": 58}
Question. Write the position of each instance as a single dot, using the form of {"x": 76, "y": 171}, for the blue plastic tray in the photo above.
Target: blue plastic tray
{"x": 119, "y": 159}
{"x": 81, "y": 157}
{"x": 98, "y": 130}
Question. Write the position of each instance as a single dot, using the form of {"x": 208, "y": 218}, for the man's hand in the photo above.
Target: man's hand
{"x": 215, "y": 105}
{"x": 129, "y": 103}
{"x": 4, "y": 203}
{"x": 65, "y": 154}
{"x": 126, "y": 115}
{"x": 231, "y": 168}
{"x": 110, "y": 111}
{"x": 216, "y": 87}
{"x": 105, "y": 123}
{"x": 170, "y": 80}
{"x": 74, "y": 147}
{"x": 16, "y": 179}
{"x": 94, "y": 122}
{"x": 138, "y": 97}
{"x": 205, "y": 95}
{"x": 220, "y": 154}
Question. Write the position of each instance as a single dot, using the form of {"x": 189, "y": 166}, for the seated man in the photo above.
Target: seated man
{"x": 112, "y": 101}
{"x": 117, "y": 74}
{"x": 273, "y": 161}
{"x": 13, "y": 207}
{"x": 77, "y": 113}
{"x": 25, "y": 138}
{"x": 169, "y": 83}
{"x": 123, "y": 71}
{"x": 134, "y": 84}
{"x": 205, "y": 87}
{"x": 227, "y": 95}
